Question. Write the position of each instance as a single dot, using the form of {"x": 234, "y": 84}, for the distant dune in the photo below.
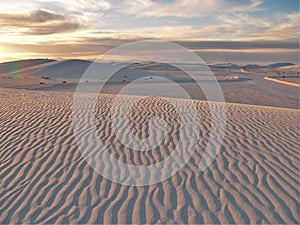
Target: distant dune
{"x": 248, "y": 66}
{"x": 64, "y": 76}
{"x": 292, "y": 82}
{"x": 16, "y": 66}
{"x": 66, "y": 69}
{"x": 74, "y": 68}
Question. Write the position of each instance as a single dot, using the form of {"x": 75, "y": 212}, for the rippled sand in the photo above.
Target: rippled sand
{"x": 45, "y": 179}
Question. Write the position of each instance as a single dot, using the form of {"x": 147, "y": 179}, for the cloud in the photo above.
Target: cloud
{"x": 239, "y": 45}
{"x": 223, "y": 51}
{"x": 53, "y": 28}
{"x": 36, "y": 16}
{"x": 244, "y": 26}
{"x": 38, "y": 22}
{"x": 99, "y": 45}
{"x": 89, "y": 27}
{"x": 186, "y": 8}
{"x": 88, "y": 5}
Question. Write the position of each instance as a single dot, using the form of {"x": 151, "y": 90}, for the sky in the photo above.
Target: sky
{"x": 245, "y": 31}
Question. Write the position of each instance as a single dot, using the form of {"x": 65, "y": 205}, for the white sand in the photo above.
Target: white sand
{"x": 237, "y": 87}
{"x": 44, "y": 179}
{"x": 282, "y": 82}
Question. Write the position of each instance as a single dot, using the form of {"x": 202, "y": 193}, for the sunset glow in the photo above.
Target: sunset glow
{"x": 70, "y": 29}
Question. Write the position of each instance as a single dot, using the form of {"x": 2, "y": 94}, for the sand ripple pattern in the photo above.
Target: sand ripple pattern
{"x": 45, "y": 179}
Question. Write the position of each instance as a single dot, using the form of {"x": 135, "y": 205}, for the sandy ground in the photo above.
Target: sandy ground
{"x": 287, "y": 81}
{"x": 44, "y": 178}
{"x": 238, "y": 86}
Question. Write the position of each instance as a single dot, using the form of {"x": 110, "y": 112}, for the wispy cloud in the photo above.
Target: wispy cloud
{"x": 89, "y": 27}
{"x": 36, "y": 16}
{"x": 38, "y": 22}
{"x": 186, "y": 8}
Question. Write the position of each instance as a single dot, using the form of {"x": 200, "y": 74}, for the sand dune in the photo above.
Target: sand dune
{"x": 251, "y": 87}
{"x": 44, "y": 178}
{"x": 15, "y": 66}
{"x": 283, "y": 81}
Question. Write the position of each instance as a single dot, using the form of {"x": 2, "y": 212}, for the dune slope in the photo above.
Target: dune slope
{"x": 44, "y": 178}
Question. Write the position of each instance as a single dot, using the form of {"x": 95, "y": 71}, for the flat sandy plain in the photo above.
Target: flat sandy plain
{"x": 253, "y": 180}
